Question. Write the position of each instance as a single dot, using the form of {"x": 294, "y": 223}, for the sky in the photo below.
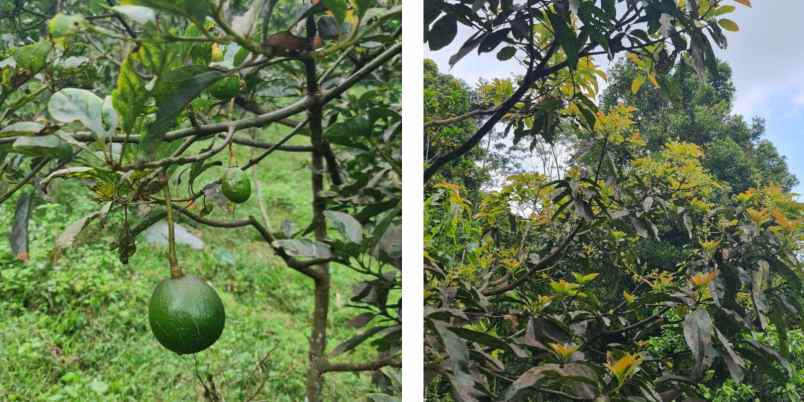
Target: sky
{"x": 767, "y": 61}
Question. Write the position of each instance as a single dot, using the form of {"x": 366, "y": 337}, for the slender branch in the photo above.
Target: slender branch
{"x": 263, "y": 119}
{"x": 381, "y": 59}
{"x": 534, "y": 74}
{"x": 639, "y": 323}
{"x": 272, "y": 148}
{"x": 180, "y": 160}
{"x": 122, "y": 21}
{"x": 302, "y": 267}
{"x": 456, "y": 119}
{"x": 555, "y": 253}
{"x": 24, "y": 181}
{"x": 391, "y": 361}
{"x": 175, "y": 270}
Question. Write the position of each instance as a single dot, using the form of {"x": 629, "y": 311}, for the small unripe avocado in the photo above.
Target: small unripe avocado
{"x": 186, "y": 314}
{"x": 235, "y": 185}
{"x": 226, "y": 88}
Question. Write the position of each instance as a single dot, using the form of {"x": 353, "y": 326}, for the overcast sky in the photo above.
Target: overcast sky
{"x": 766, "y": 57}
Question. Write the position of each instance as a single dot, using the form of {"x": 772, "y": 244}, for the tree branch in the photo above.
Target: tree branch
{"x": 534, "y": 74}
{"x": 555, "y": 253}
{"x": 303, "y": 267}
{"x": 391, "y": 361}
{"x": 24, "y": 181}
{"x": 456, "y": 119}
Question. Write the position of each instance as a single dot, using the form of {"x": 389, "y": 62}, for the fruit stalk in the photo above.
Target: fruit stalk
{"x": 175, "y": 270}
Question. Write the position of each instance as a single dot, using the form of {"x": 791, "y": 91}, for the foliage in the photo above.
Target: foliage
{"x": 555, "y": 41}
{"x": 566, "y": 289}
{"x": 123, "y": 100}
{"x": 697, "y": 110}
{"x": 84, "y": 320}
{"x": 552, "y": 289}
{"x": 447, "y": 97}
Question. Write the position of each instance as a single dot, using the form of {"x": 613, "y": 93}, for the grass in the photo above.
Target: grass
{"x": 78, "y": 330}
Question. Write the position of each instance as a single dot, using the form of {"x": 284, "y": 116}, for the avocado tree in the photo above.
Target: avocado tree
{"x": 636, "y": 274}
{"x": 144, "y": 101}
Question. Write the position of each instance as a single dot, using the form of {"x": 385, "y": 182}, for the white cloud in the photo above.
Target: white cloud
{"x": 766, "y": 56}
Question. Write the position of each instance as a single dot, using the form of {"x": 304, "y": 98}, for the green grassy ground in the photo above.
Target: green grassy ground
{"x": 78, "y": 330}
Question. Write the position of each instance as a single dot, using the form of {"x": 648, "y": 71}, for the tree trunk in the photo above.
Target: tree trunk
{"x": 318, "y": 337}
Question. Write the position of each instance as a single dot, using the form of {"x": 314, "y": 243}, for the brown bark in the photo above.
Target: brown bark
{"x": 318, "y": 337}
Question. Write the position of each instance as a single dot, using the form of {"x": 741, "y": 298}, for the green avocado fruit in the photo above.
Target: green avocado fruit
{"x": 186, "y": 314}
{"x": 235, "y": 185}
{"x": 226, "y": 88}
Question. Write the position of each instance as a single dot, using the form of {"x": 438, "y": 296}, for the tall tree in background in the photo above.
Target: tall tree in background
{"x": 448, "y": 100}
{"x": 698, "y": 109}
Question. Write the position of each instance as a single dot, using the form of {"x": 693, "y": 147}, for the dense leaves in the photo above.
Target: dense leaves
{"x": 638, "y": 267}
{"x": 122, "y": 99}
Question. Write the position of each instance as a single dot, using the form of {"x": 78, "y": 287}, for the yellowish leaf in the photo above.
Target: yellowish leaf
{"x": 758, "y": 216}
{"x": 746, "y": 3}
{"x": 628, "y": 297}
{"x": 636, "y": 84}
{"x": 563, "y": 351}
{"x": 563, "y": 287}
{"x": 728, "y": 25}
{"x": 624, "y": 367}
{"x": 652, "y": 77}
{"x": 634, "y": 59}
{"x": 584, "y": 279}
{"x": 703, "y": 279}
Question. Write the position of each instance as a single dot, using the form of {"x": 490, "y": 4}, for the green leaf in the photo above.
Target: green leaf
{"x": 571, "y": 371}
{"x": 773, "y": 353}
{"x": 158, "y": 58}
{"x": 139, "y": 14}
{"x": 728, "y": 25}
{"x": 361, "y": 6}
{"x": 722, "y": 10}
{"x": 698, "y": 331}
{"x": 471, "y": 44}
{"x": 65, "y": 25}
{"x": 129, "y": 96}
{"x": 481, "y": 338}
{"x": 173, "y": 92}
{"x": 734, "y": 362}
{"x": 759, "y": 282}
{"x": 70, "y": 233}
{"x": 346, "y": 225}
{"x": 637, "y": 83}
{"x": 21, "y": 128}
{"x": 338, "y": 8}
{"x": 442, "y": 32}
{"x": 18, "y": 237}
{"x": 506, "y": 53}
{"x": 32, "y": 57}
{"x": 197, "y": 10}
{"x": 48, "y": 146}
{"x": 74, "y": 104}
{"x": 566, "y": 38}
{"x": 304, "y": 248}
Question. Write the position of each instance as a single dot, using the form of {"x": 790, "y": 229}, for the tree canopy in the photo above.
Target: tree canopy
{"x": 689, "y": 108}
{"x": 655, "y": 265}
